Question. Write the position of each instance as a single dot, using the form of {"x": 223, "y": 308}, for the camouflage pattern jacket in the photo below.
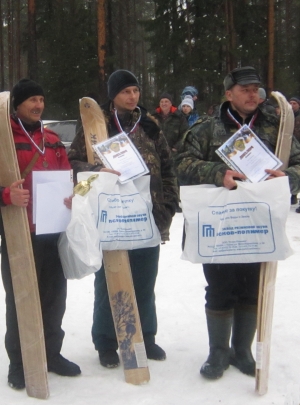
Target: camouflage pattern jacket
{"x": 173, "y": 126}
{"x": 153, "y": 147}
{"x": 198, "y": 163}
{"x": 297, "y": 128}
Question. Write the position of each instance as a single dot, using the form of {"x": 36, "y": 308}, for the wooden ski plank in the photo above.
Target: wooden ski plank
{"x": 268, "y": 271}
{"x": 117, "y": 269}
{"x": 22, "y": 268}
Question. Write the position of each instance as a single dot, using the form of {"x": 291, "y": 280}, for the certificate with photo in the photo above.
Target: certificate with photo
{"x": 120, "y": 154}
{"x": 247, "y": 154}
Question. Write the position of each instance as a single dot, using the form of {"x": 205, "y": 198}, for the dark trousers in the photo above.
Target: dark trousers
{"x": 144, "y": 268}
{"x": 53, "y": 292}
{"x": 231, "y": 284}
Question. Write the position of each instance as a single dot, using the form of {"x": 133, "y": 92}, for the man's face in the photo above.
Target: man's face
{"x": 295, "y": 105}
{"x": 243, "y": 99}
{"x": 165, "y": 105}
{"x": 127, "y": 99}
{"x": 31, "y": 109}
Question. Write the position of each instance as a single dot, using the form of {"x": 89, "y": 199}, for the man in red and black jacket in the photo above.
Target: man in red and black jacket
{"x": 37, "y": 149}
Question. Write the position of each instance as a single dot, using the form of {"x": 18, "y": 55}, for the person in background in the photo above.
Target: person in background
{"x": 37, "y": 149}
{"x": 171, "y": 121}
{"x": 232, "y": 289}
{"x": 213, "y": 110}
{"x": 123, "y": 113}
{"x": 264, "y": 104}
{"x": 190, "y": 91}
{"x": 295, "y": 103}
{"x": 187, "y": 108}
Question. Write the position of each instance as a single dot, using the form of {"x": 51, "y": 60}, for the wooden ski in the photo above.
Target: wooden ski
{"x": 117, "y": 269}
{"x": 268, "y": 270}
{"x": 22, "y": 266}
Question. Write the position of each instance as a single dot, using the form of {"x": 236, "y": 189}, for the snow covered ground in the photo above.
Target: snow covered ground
{"x": 182, "y": 333}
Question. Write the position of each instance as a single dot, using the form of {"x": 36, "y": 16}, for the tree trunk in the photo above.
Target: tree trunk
{"x": 18, "y": 41}
{"x": 10, "y": 43}
{"x": 101, "y": 34}
{"x": 1, "y": 51}
{"x": 271, "y": 13}
{"x": 32, "y": 42}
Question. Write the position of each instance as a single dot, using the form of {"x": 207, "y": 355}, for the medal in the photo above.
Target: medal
{"x": 45, "y": 163}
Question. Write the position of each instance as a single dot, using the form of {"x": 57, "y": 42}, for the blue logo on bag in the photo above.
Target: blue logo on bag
{"x": 103, "y": 217}
{"x": 208, "y": 231}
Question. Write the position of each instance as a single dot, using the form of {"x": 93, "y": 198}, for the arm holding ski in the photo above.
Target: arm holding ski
{"x": 78, "y": 155}
{"x": 14, "y": 195}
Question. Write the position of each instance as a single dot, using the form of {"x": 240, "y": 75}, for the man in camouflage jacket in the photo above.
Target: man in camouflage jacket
{"x": 232, "y": 291}
{"x": 122, "y": 114}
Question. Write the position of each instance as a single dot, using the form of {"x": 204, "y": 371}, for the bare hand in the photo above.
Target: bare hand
{"x": 274, "y": 173}
{"x": 105, "y": 169}
{"x": 68, "y": 202}
{"x": 230, "y": 177}
{"x": 19, "y": 196}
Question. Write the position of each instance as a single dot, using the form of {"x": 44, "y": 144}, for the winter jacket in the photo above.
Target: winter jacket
{"x": 153, "y": 147}
{"x": 297, "y": 128}
{"x": 192, "y": 118}
{"x": 173, "y": 126}
{"x": 198, "y": 163}
{"x": 55, "y": 158}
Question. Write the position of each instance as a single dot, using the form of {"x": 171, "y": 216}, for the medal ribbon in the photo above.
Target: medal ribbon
{"x": 41, "y": 151}
{"x": 240, "y": 125}
{"x": 117, "y": 122}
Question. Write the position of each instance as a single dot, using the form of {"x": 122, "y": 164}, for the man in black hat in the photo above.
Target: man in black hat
{"x": 123, "y": 114}
{"x": 37, "y": 149}
{"x": 232, "y": 290}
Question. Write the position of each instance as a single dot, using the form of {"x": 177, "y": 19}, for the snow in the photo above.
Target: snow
{"x": 183, "y": 334}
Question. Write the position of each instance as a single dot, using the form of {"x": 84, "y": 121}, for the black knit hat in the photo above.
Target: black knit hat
{"x": 24, "y": 89}
{"x": 166, "y": 95}
{"x": 119, "y": 80}
{"x": 242, "y": 76}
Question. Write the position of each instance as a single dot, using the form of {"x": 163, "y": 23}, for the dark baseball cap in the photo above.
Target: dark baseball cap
{"x": 242, "y": 76}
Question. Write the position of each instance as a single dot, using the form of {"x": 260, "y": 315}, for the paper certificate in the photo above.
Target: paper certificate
{"x": 119, "y": 153}
{"x": 247, "y": 154}
{"x": 49, "y": 188}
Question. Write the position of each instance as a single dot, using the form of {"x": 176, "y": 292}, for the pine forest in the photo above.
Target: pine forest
{"x": 71, "y": 46}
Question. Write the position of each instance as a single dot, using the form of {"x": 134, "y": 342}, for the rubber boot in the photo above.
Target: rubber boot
{"x": 219, "y": 325}
{"x": 243, "y": 331}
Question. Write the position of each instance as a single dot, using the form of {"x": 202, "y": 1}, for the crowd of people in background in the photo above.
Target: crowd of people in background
{"x": 173, "y": 130}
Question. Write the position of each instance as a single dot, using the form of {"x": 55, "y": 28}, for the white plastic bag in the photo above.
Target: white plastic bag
{"x": 236, "y": 226}
{"x": 79, "y": 247}
{"x": 123, "y": 212}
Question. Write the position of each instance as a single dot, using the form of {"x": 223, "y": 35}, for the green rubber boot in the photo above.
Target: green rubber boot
{"x": 243, "y": 332}
{"x": 219, "y": 325}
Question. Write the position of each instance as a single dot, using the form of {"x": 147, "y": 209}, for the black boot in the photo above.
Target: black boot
{"x": 243, "y": 331}
{"x": 61, "y": 366}
{"x": 109, "y": 358}
{"x": 219, "y": 325}
{"x": 16, "y": 377}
